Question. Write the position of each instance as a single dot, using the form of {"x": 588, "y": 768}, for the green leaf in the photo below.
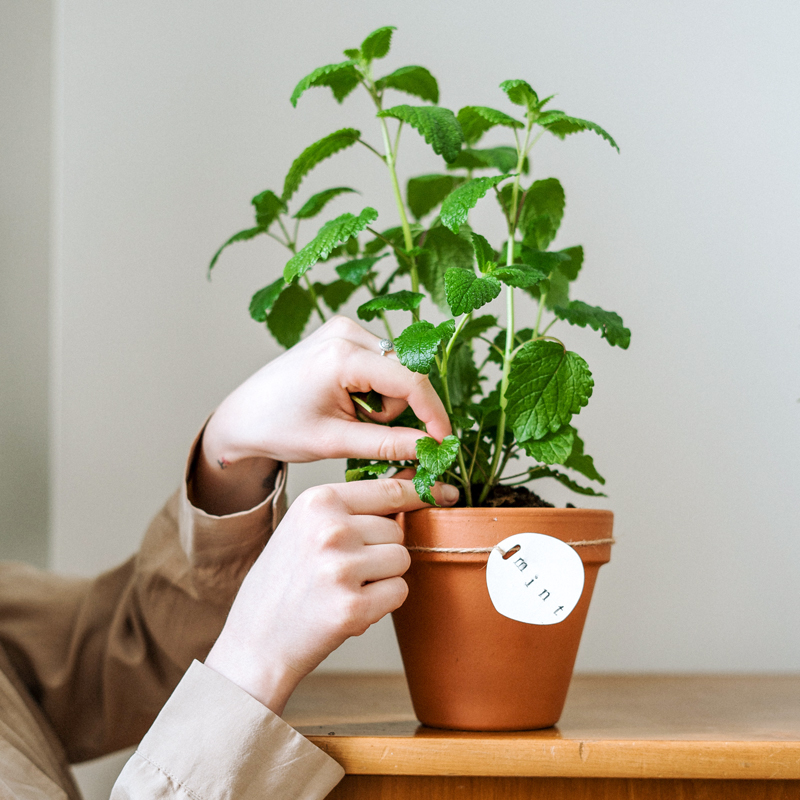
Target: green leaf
{"x": 335, "y": 294}
{"x": 572, "y": 266}
{"x": 476, "y": 120}
{"x": 242, "y": 236}
{"x": 519, "y": 275}
{"x": 364, "y": 471}
{"x": 356, "y": 270}
{"x": 484, "y": 253}
{"x": 502, "y": 158}
{"x": 442, "y": 250}
{"x": 341, "y": 78}
{"x": 546, "y": 472}
{"x": 317, "y": 202}
{"x": 582, "y": 463}
{"x": 438, "y": 126}
{"x": 553, "y": 448}
{"x": 423, "y": 481}
{"x": 561, "y": 125}
{"x": 436, "y": 458}
{"x": 268, "y": 206}
{"x": 561, "y": 266}
{"x": 397, "y": 301}
{"x": 290, "y": 314}
{"x": 466, "y": 292}
{"x": 520, "y": 93}
{"x": 377, "y": 44}
{"x": 313, "y": 154}
{"x": 425, "y": 192}
{"x": 547, "y": 385}
{"x": 411, "y": 80}
{"x": 418, "y": 344}
{"x": 463, "y": 378}
{"x": 265, "y": 298}
{"x": 460, "y": 201}
{"x": 330, "y": 234}
{"x": 609, "y": 323}
{"x": 541, "y": 213}
{"x": 477, "y": 327}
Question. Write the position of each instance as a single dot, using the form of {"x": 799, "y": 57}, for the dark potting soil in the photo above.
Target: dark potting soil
{"x": 508, "y": 497}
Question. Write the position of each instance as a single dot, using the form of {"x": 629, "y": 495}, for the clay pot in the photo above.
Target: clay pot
{"x": 469, "y": 667}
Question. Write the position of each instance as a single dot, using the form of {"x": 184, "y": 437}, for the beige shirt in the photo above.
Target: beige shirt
{"x": 86, "y": 666}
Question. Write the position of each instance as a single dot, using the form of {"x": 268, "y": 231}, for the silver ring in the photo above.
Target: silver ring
{"x": 386, "y": 345}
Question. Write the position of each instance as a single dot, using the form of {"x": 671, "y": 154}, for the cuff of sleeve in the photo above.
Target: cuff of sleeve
{"x": 213, "y": 740}
{"x": 214, "y": 541}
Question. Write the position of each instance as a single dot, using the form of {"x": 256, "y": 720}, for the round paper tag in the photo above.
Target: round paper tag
{"x": 540, "y": 583}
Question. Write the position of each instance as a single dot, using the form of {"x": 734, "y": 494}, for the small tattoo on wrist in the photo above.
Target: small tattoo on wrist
{"x": 223, "y": 462}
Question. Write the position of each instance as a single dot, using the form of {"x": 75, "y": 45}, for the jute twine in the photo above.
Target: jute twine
{"x": 471, "y": 550}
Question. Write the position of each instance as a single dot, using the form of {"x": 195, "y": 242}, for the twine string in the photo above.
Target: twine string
{"x": 471, "y": 550}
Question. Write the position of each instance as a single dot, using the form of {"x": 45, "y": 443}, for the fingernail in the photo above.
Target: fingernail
{"x": 449, "y": 494}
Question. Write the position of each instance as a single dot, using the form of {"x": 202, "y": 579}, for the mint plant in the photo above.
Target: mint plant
{"x": 511, "y": 392}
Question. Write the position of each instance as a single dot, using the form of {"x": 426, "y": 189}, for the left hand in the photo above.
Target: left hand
{"x": 297, "y": 408}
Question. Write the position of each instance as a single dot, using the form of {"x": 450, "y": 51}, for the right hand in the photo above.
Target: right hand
{"x": 331, "y": 569}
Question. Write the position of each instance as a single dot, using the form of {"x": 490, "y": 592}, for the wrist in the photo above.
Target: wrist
{"x": 268, "y": 681}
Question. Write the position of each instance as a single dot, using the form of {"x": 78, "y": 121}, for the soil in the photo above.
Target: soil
{"x": 508, "y": 497}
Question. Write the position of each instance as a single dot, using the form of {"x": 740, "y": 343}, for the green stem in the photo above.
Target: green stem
{"x": 542, "y": 299}
{"x": 381, "y": 313}
{"x": 310, "y": 287}
{"x": 449, "y": 407}
{"x": 289, "y": 243}
{"x": 475, "y": 454}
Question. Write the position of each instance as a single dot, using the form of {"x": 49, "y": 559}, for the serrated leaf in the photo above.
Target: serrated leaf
{"x": 423, "y": 482}
{"x": 574, "y": 262}
{"x": 520, "y": 276}
{"x": 242, "y": 236}
{"x": 476, "y": 120}
{"x": 364, "y": 471}
{"x": 547, "y": 385}
{"x": 436, "y": 458}
{"x": 341, "y": 78}
{"x": 553, "y": 448}
{"x": 561, "y": 125}
{"x": 477, "y": 327}
{"x": 425, "y": 192}
{"x": 411, "y": 80}
{"x": 317, "y": 202}
{"x": 356, "y": 270}
{"x": 466, "y": 292}
{"x": 418, "y": 344}
{"x": 330, "y": 234}
{"x": 335, "y": 294}
{"x": 460, "y": 201}
{"x": 546, "y": 472}
{"x": 501, "y": 158}
{"x": 484, "y": 252}
{"x": 265, "y": 298}
{"x": 396, "y": 301}
{"x": 541, "y": 213}
{"x": 520, "y": 93}
{"x": 377, "y": 44}
{"x": 438, "y": 126}
{"x": 609, "y": 323}
{"x": 290, "y": 314}
{"x": 582, "y": 463}
{"x": 313, "y": 154}
{"x": 442, "y": 250}
{"x": 268, "y": 206}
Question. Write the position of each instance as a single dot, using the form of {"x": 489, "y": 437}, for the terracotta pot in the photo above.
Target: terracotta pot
{"x": 468, "y": 666}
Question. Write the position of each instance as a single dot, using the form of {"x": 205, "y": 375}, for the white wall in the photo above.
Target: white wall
{"x": 25, "y": 167}
{"x": 174, "y": 114}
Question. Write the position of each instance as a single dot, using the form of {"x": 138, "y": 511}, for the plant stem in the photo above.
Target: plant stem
{"x": 310, "y": 287}
{"x": 381, "y": 313}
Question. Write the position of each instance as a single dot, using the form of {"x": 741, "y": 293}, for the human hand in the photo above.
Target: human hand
{"x": 297, "y": 408}
{"x": 330, "y": 570}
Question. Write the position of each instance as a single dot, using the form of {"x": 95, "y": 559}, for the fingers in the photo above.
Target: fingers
{"x": 381, "y": 561}
{"x": 383, "y": 597}
{"x": 367, "y": 440}
{"x": 389, "y": 496}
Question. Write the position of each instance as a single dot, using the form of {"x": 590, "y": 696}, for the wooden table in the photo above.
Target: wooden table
{"x": 621, "y": 736}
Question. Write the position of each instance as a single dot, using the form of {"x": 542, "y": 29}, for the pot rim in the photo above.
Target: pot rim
{"x": 512, "y": 512}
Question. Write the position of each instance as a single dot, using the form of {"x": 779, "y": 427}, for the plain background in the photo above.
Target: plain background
{"x": 134, "y": 135}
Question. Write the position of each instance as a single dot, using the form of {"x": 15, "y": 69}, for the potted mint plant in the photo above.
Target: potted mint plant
{"x": 511, "y": 390}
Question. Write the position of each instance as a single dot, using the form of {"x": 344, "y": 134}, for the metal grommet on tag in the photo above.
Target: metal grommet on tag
{"x": 539, "y": 583}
